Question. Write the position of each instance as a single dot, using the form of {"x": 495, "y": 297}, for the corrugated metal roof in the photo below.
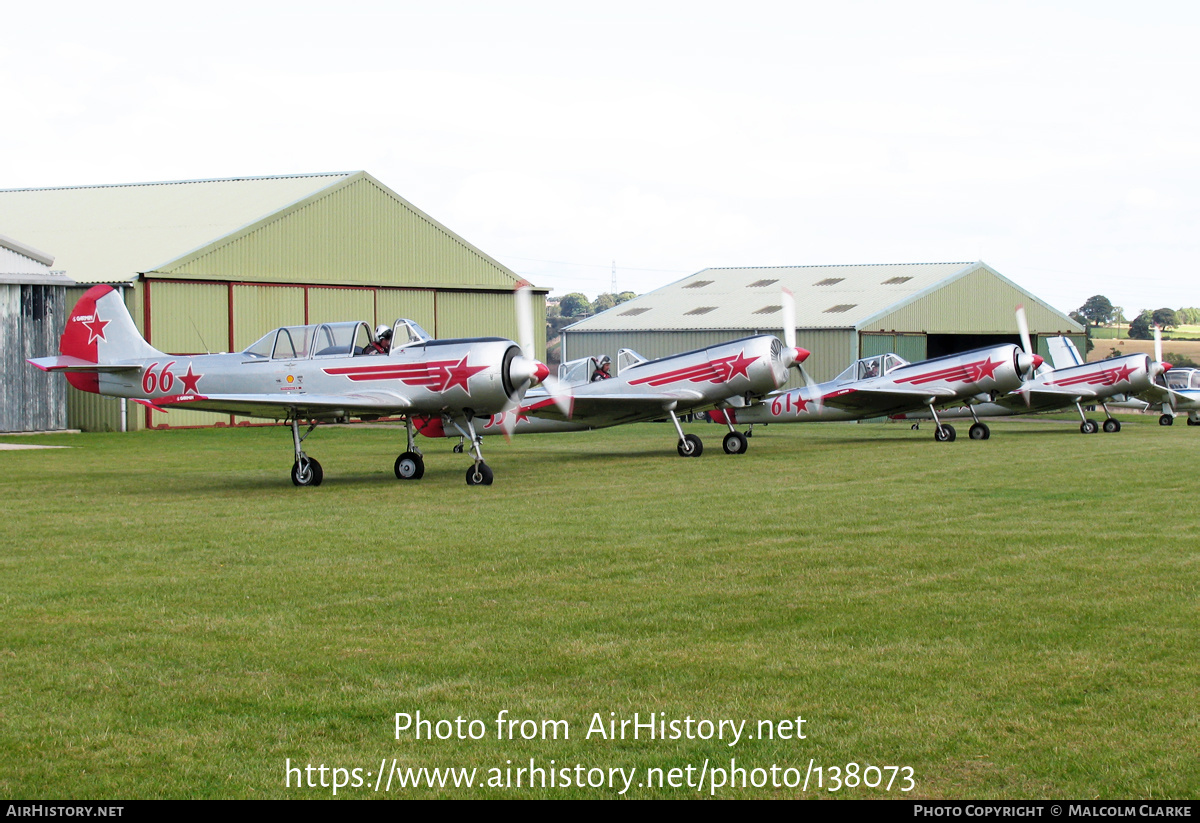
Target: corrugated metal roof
{"x": 111, "y": 233}
{"x": 733, "y": 298}
{"x": 25, "y": 265}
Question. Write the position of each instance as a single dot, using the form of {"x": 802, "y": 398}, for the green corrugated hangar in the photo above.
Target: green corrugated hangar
{"x": 212, "y": 265}
{"x": 843, "y": 313}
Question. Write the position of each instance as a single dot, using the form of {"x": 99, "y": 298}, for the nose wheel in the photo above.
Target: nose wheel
{"x": 410, "y": 466}
{"x": 307, "y": 472}
{"x": 944, "y": 433}
{"x": 479, "y": 475}
{"x": 690, "y": 446}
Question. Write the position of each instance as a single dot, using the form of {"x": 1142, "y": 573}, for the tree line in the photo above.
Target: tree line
{"x": 1098, "y": 310}
{"x": 575, "y": 306}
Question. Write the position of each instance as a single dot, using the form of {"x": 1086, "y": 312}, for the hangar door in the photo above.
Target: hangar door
{"x": 911, "y": 347}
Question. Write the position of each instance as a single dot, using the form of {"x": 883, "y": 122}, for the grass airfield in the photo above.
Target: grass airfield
{"x": 1011, "y": 618}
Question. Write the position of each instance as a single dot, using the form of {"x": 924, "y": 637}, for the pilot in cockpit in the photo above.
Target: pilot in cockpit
{"x": 603, "y": 369}
{"x": 383, "y": 341}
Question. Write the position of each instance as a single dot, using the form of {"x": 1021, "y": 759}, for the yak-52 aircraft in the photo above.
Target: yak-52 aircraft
{"x": 1076, "y": 384}
{"x": 1178, "y": 390}
{"x": 737, "y": 371}
{"x": 318, "y": 373}
{"x": 886, "y": 384}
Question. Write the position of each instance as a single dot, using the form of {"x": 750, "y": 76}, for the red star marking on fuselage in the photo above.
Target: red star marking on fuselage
{"x": 95, "y": 328}
{"x": 459, "y": 374}
{"x": 801, "y": 404}
{"x": 189, "y": 381}
{"x": 739, "y": 365}
{"x": 985, "y": 369}
{"x": 1123, "y": 373}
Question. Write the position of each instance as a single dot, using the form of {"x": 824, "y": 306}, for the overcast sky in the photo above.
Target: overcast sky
{"x": 1059, "y": 142}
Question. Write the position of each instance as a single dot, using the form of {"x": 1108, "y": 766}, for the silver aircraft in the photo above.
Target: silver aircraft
{"x": 1077, "y": 384}
{"x": 734, "y": 372}
{"x": 886, "y": 384}
{"x": 318, "y": 373}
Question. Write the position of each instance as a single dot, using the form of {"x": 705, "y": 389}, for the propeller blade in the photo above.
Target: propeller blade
{"x": 1031, "y": 360}
{"x": 1158, "y": 352}
{"x": 789, "y": 318}
{"x": 808, "y": 381}
{"x": 561, "y": 395}
{"x": 524, "y": 299}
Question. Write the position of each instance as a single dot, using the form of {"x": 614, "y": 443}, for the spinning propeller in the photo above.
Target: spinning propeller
{"x": 793, "y": 355}
{"x": 1027, "y": 361}
{"x": 1160, "y": 366}
{"x": 539, "y": 373}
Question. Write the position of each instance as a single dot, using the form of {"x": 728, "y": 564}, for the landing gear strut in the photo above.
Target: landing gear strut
{"x": 689, "y": 445}
{"x": 305, "y": 471}
{"x": 1086, "y": 426}
{"x": 479, "y": 474}
{"x": 942, "y": 432}
{"x": 410, "y": 465}
{"x": 734, "y": 442}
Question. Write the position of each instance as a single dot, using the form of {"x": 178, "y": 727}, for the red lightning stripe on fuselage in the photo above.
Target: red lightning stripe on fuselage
{"x": 721, "y": 370}
{"x": 963, "y": 373}
{"x": 437, "y": 375}
{"x": 1105, "y": 377}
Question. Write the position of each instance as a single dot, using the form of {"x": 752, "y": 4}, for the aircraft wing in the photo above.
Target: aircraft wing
{"x": 306, "y": 406}
{"x": 885, "y": 399}
{"x": 616, "y": 407}
{"x": 1044, "y": 397}
{"x": 1159, "y": 395}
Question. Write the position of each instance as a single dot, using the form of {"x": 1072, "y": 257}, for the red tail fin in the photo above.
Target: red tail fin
{"x": 100, "y": 330}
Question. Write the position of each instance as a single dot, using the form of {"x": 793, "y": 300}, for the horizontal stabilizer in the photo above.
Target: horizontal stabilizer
{"x": 65, "y": 362}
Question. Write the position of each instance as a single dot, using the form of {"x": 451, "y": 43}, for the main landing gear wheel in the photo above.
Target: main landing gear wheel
{"x": 690, "y": 446}
{"x": 410, "y": 466}
{"x": 980, "y": 431}
{"x": 1111, "y": 425}
{"x": 1089, "y": 427}
{"x": 1192, "y": 422}
{"x": 735, "y": 443}
{"x": 307, "y": 472}
{"x": 479, "y": 475}
{"x": 944, "y": 433}
{"x": 1166, "y": 420}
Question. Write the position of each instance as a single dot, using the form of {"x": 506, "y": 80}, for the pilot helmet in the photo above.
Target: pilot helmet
{"x": 604, "y": 360}
{"x": 383, "y": 333}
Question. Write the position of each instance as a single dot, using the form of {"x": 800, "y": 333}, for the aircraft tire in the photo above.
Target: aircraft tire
{"x": 944, "y": 433}
{"x": 1089, "y": 427}
{"x": 410, "y": 466}
{"x": 479, "y": 475}
{"x": 690, "y": 446}
{"x": 980, "y": 431}
{"x": 1192, "y": 422}
{"x": 1166, "y": 420}
{"x": 309, "y": 474}
{"x": 735, "y": 443}
{"x": 1111, "y": 425}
